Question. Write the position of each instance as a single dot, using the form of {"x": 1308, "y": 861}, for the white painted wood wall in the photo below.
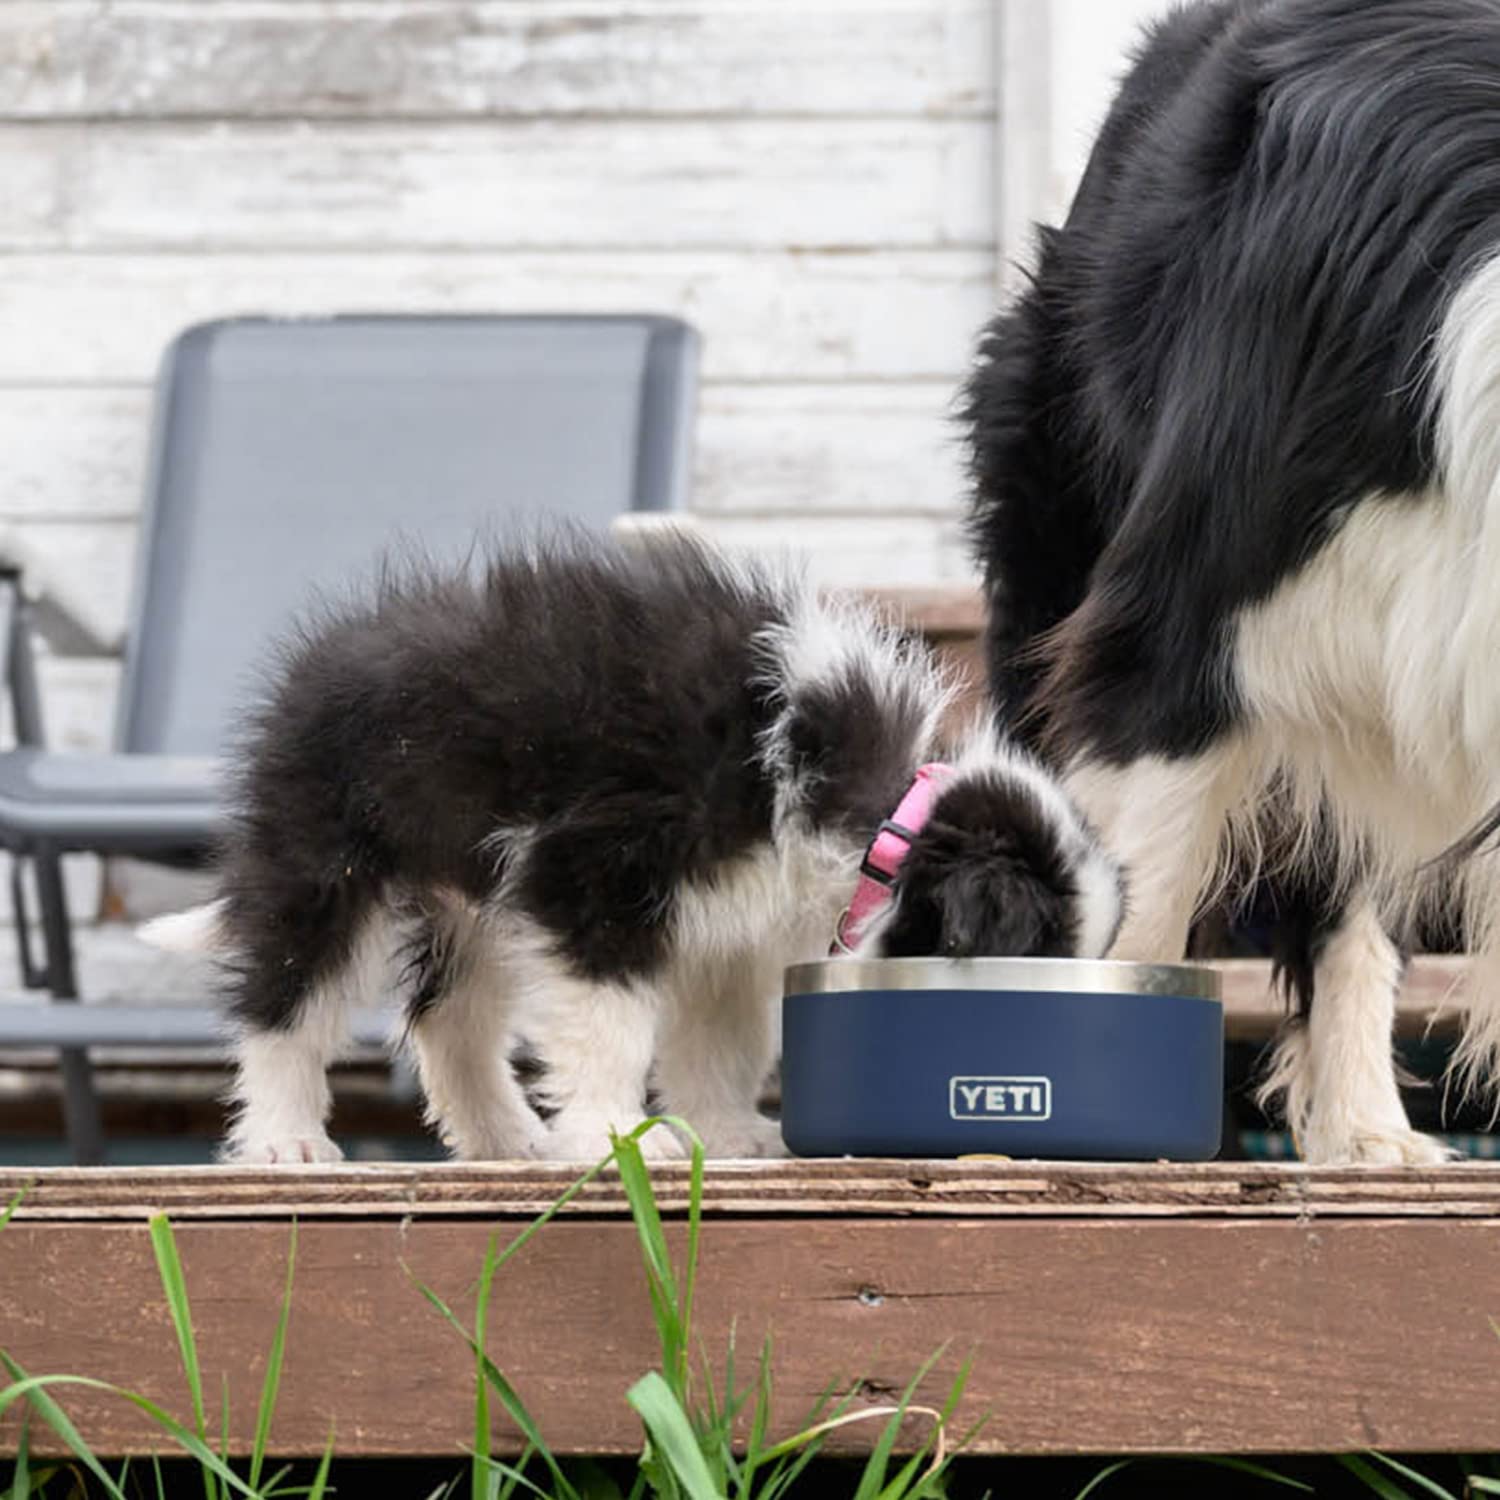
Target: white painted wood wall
{"x": 827, "y": 188}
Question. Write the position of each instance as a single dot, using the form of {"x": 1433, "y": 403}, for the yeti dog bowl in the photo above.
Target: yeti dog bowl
{"x": 1006, "y": 1056}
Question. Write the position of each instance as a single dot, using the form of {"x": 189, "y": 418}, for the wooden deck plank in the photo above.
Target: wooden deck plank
{"x": 990, "y": 1188}
{"x": 1095, "y": 1334}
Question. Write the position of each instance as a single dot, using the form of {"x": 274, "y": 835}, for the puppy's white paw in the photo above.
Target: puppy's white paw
{"x": 662, "y": 1143}
{"x": 740, "y": 1137}
{"x": 588, "y": 1140}
{"x": 528, "y": 1140}
{"x": 1350, "y": 1146}
{"x": 293, "y": 1150}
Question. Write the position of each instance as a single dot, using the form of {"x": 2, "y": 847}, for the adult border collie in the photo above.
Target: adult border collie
{"x": 1237, "y": 453}
{"x": 600, "y": 800}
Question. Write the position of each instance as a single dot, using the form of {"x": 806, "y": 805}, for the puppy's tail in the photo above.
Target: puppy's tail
{"x": 200, "y": 929}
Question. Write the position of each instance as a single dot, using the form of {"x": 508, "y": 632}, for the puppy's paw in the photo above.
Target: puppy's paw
{"x": 588, "y": 1140}
{"x": 662, "y": 1143}
{"x": 1351, "y": 1146}
{"x": 738, "y": 1138}
{"x": 287, "y": 1150}
{"x": 526, "y": 1140}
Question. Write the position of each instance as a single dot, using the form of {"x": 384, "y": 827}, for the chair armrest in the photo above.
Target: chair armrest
{"x": 59, "y": 613}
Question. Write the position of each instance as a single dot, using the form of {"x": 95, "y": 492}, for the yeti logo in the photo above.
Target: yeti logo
{"x": 1000, "y": 1098}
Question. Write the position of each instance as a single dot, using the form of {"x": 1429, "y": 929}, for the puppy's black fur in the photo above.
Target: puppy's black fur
{"x": 990, "y": 873}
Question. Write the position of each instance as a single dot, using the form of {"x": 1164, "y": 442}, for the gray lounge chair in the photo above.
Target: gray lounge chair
{"x": 287, "y": 456}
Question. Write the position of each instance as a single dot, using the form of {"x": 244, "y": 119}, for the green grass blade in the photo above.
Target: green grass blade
{"x": 174, "y": 1285}
{"x": 223, "y": 1427}
{"x": 272, "y": 1485}
{"x": 1372, "y": 1478}
{"x": 661, "y": 1283}
{"x": 919, "y": 1464}
{"x": 1259, "y": 1471}
{"x": 10, "y": 1208}
{"x": 320, "y": 1479}
{"x": 271, "y": 1385}
{"x": 694, "y": 1231}
{"x": 673, "y": 1435}
{"x": 1105, "y": 1473}
{"x": 1479, "y": 1485}
{"x": 57, "y": 1419}
{"x": 507, "y": 1393}
{"x": 793, "y": 1455}
{"x": 1421, "y": 1481}
{"x": 33, "y": 1388}
{"x": 507, "y": 1487}
{"x": 760, "y": 1414}
{"x": 484, "y": 1484}
{"x": 161, "y": 1488}
{"x": 873, "y": 1477}
{"x": 900, "y": 1486}
{"x": 20, "y": 1488}
{"x": 514, "y": 1478}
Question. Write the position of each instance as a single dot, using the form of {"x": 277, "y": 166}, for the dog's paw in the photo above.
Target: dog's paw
{"x": 740, "y": 1138}
{"x": 588, "y": 1140}
{"x": 1347, "y": 1146}
{"x": 293, "y": 1150}
{"x": 521, "y": 1140}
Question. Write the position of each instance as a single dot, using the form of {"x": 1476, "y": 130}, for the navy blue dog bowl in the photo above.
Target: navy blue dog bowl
{"x": 1026, "y": 1057}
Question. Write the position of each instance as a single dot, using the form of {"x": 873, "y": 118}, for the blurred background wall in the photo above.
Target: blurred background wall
{"x": 832, "y": 190}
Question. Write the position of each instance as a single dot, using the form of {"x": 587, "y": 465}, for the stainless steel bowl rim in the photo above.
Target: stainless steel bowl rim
{"x": 836, "y": 976}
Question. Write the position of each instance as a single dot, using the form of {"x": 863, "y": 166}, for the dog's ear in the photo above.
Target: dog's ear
{"x": 996, "y": 873}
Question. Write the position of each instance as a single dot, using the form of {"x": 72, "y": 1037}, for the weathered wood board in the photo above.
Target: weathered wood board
{"x": 1190, "y": 1309}
{"x": 434, "y": 59}
{"x": 356, "y": 188}
{"x": 789, "y": 315}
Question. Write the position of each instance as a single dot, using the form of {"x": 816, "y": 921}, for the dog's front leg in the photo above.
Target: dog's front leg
{"x": 595, "y": 1041}
{"x": 1335, "y": 1071}
{"x": 281, "y": 1096}
{"x": 718, "y": 1043}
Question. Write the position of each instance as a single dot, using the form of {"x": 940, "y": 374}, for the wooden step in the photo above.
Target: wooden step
{"x": 1162, "y": 1309}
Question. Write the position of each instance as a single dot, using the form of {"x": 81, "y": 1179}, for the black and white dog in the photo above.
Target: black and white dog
{"x": 600, "y": 799}
{"x": 1237, "y": 452}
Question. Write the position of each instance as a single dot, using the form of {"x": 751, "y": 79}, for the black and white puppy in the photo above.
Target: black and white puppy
{"x": 1237, "y": 451}
{"x": 600, "y": 800}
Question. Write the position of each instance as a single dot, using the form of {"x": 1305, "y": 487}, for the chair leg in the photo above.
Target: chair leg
{"x": 80, "y": 1101}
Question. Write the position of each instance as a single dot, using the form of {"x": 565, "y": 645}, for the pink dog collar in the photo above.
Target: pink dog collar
{"x": 883, "y": 859}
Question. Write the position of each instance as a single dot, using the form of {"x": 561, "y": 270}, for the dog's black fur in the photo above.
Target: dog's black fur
{"x": 1226, "y": 347}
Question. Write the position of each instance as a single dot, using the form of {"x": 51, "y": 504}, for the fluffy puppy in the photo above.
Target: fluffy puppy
{"x": 600, "y": 800}
{"x": 1237, "y": 453}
